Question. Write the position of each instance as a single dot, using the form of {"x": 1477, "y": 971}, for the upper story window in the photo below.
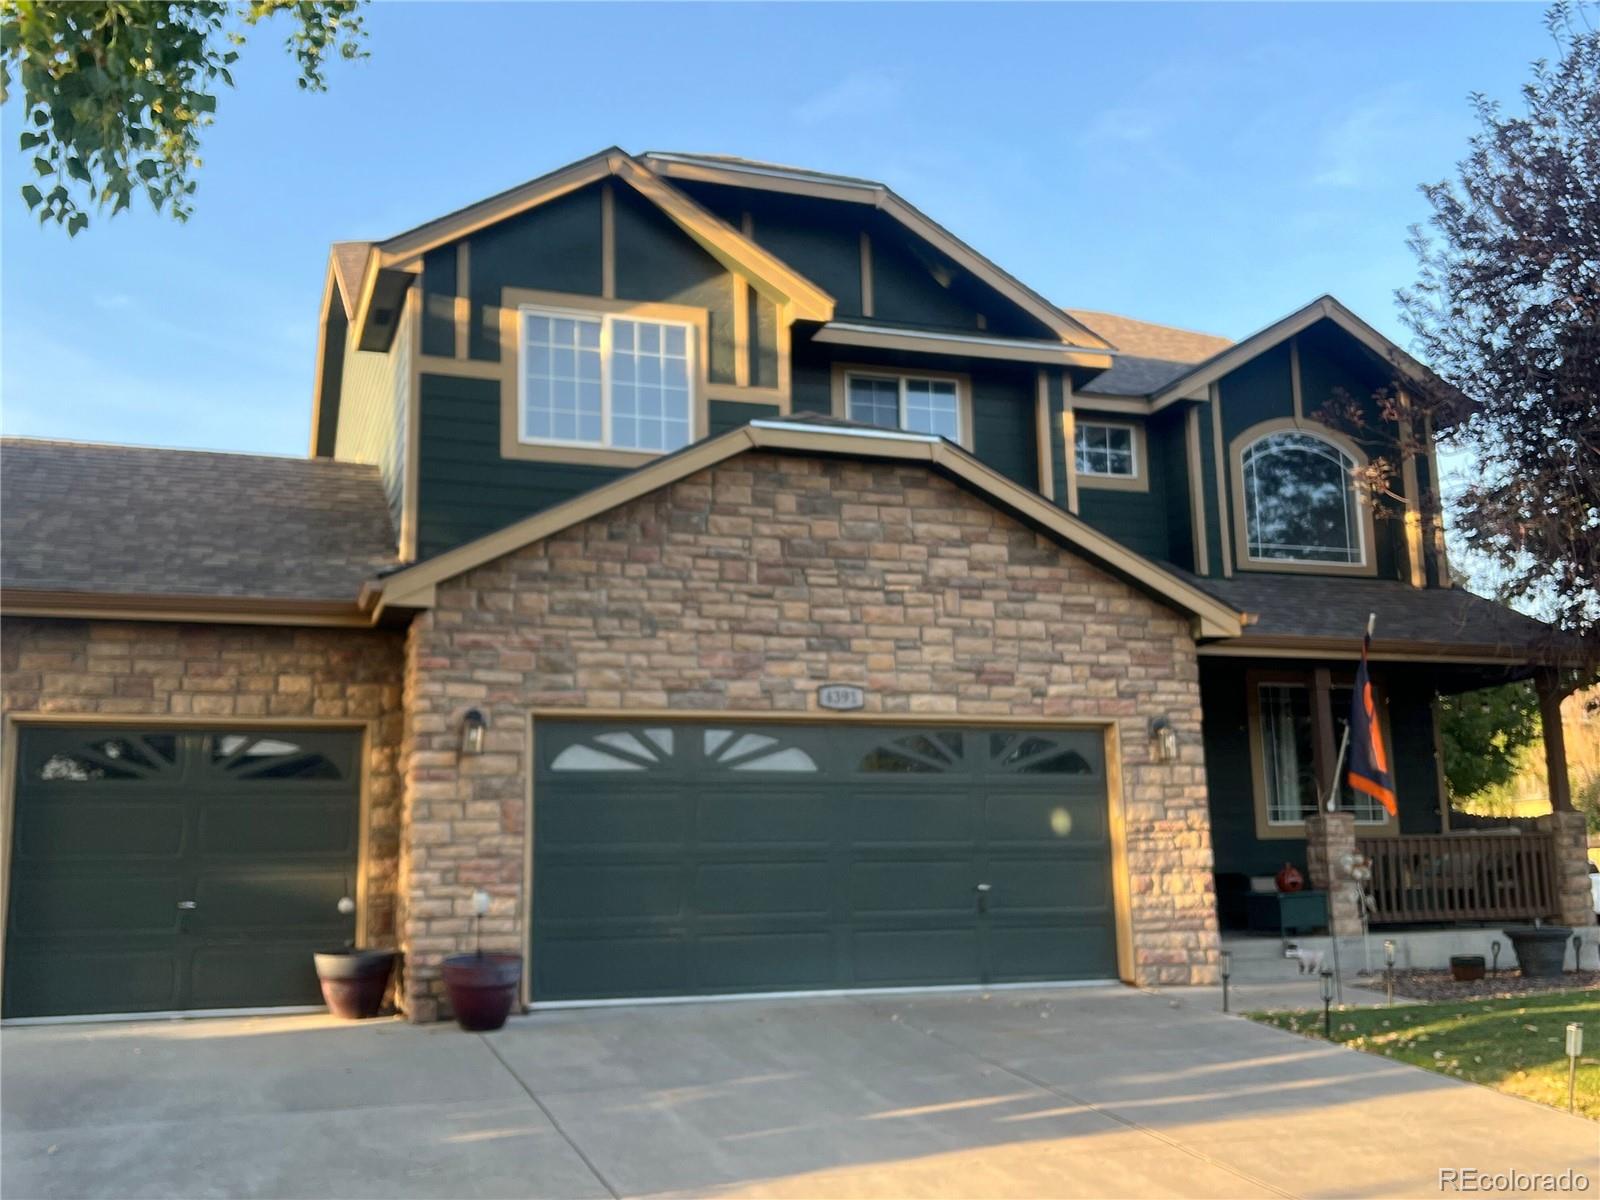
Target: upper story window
{"x": 911, "y": 402}
{"x": 605, "y": 381}
{"x": 1300, "y": 503}
{"x": 1109, "y": 451}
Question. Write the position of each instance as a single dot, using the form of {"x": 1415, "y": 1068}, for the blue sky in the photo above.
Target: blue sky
{"x": 1207, "y": 165}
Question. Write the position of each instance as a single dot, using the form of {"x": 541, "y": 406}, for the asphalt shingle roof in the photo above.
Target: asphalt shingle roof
{"x": 133, "y": 520}
{"x": 1320, "y": 606}
{"x": 1149, "y": 356}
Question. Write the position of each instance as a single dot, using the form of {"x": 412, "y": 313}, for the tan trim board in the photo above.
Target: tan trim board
{"x": 1282, "y": 646}
{"x": 866, "y": 274}
{"x": 1412, "y": 486}
{"x": 1441, "y": 557}
{"x": 412, "y": 587}
{"x": 1129, "y": 405}
{"x": 329, "y": 286}
{"x": 8, "y": 783}
{"x": 734, "y": 394}
{"x": 608, "y": 240}
{"x": 1069, "y": 442}
{"x": 1368, "y": 566}
{"x": 1197, "y": 492}
{"x": 411, "y": 484}
{"x": 741, "y": 332}
{"x": 463, "y": 300}
{"x": 464, "y": 368}
{"x": 227, "y": 610}
{"x": 1266, "y": 831}
{"x": 1223, "y": 522}
{"x": 1294, "y": 378}
{"x": 1139, "y": 481}
{"x": 1041, "y": 435}
{"x": 839, "y": 392}
{"x": 916, "y": 341}
{"x": 1116, "y": 799}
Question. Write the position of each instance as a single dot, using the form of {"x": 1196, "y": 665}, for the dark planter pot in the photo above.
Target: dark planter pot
{"x": 482, "y": 988}
{"x": 1465, "y": 968}
{"x": 1541, "y": 951}
{"x": 354, "y": 981}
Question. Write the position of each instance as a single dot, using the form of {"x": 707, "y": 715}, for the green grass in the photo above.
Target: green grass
{"x": 1517, "y": 1045}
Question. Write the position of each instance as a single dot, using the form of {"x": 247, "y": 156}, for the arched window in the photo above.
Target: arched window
{"x": 1300, "y": 501}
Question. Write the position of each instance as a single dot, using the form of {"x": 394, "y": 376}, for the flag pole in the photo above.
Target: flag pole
{"x": 1333, "y": 806}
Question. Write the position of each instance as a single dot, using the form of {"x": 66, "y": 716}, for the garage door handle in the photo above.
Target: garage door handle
{"x": 983, "y": 890}
{"x": 186, "y": 905}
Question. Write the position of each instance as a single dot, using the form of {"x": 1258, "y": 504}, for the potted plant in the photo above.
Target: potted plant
{"x": 1541, "y": 949}
{"x": 482, "y": 987}
{"x": 354, "y": 981}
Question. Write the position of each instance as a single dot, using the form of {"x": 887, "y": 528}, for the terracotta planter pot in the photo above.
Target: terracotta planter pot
{"x": 1541, "y": 950}
{"x": 482, "y": 988}
{"x": 1465, "y": 968}
{"x": 354, "y": 981}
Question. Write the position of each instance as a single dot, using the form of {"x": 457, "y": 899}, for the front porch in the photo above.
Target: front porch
{"x": 1272, "y": 728}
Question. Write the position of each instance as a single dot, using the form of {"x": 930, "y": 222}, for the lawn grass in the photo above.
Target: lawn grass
{"x": 1516, "y": 1045}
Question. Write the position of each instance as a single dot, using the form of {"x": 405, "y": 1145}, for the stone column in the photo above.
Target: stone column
{"x": 1574, "y": 901}
{"x": 1330, "y": 839}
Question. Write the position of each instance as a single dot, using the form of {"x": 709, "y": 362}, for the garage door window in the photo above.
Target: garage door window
{"x": 645, "y": 749}
{"x": 245, "y": 756}
{"x": 104, "y": 759}
{"x": 1036, "y": 754}
{"x": 917, "y": 754}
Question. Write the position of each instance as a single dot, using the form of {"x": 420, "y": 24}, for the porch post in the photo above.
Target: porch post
{"x": 1548, "y": 685}
{"x": 1330, "y": 840}
{"x": 1323, "y": 746}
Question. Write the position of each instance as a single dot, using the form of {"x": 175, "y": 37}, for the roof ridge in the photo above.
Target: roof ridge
{"x": 1102, "y": 312}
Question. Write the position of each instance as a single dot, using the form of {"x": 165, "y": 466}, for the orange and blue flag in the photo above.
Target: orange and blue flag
{"x": 1369, "y": 760}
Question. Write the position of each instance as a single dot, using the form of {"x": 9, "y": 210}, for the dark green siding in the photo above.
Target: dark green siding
{"x": 905, "y": 290}
{"x": 1214, "y": 521}
{"x": 657, "y": 262}
{"x": 439, "y": 288}
{"x": 724, "y": 415}
{"x": 555, "y": 248}
{"x": 1004, "y": 429}
{"x": 465, "y": 488}
{"x": 1258, "y": 391}
{"x": 1169, "y": 458}
{"x": 1230, "y": 771}
{"x": 1138, "y": 520}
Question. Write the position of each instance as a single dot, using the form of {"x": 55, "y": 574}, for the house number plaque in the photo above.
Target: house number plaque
{"x": 841, "y": 696}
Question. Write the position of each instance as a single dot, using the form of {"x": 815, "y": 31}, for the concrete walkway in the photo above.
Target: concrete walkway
{"x": 1078, "y": 1092}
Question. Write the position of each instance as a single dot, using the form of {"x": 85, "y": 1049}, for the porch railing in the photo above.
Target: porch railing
{"x": 1461, "y": 877}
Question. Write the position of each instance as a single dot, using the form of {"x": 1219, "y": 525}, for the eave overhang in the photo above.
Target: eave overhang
{"x": 964, "y": 345}
{"x": 145, "y": 606}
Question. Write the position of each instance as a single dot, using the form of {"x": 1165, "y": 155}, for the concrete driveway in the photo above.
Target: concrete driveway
{"x": 1081, "y": 1092}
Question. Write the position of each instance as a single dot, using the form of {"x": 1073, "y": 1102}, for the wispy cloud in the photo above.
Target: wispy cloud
{"x": 1358, "y": 148}
{"x": 857, "y": 94}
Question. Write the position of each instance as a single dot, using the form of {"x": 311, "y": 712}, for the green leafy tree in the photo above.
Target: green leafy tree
{"x": 1507, "y": 310}
{"x": 115, "y": 93}
{"x": 1483, "y": 734}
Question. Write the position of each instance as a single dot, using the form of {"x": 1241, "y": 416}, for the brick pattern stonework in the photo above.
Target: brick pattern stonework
{"x": 1574, "y": 899}
{"x": 743, "y": 588}
{"x": 123, "y": 669}
{"x": 1330, "y": 844}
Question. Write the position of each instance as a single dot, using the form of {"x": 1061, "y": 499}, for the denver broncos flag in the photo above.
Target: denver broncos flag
{"x": 1369, "y": 761}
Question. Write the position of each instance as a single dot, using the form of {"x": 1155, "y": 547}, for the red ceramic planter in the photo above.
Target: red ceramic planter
{"x": 354, "y": 981}
{"x": 482, "y": 988}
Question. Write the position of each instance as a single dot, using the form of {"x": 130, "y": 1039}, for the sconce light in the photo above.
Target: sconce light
{"x": 1164, "y": 738}
{"x": 474, "y": 725}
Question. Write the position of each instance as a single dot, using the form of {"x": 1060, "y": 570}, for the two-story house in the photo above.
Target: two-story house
{"x": 752, "y": 588}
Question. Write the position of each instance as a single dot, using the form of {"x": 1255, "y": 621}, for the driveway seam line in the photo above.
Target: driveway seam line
{"x": 1117, "y": 1117}
{"x": 555, "y": 1124}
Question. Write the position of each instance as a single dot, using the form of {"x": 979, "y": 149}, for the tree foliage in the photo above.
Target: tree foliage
{"x": 1482, "y": 734}
{"x": 115, "y": 93}
{"x": 1507, "y": 310}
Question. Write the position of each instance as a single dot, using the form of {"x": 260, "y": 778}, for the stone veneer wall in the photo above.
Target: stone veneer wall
{"x": 131, "y": 669}
{"x": 740, "y": 589}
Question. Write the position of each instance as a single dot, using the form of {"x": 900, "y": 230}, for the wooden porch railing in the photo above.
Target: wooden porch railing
{"x": 1461, "y": 877}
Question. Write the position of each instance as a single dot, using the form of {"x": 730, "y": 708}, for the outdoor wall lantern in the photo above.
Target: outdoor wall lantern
{"x": 474, "y": 726}
{"x": 1164, "y": 738}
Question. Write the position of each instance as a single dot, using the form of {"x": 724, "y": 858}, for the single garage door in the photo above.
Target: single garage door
{"x": 154, "y": 870}
{"x": 675, "y": 859}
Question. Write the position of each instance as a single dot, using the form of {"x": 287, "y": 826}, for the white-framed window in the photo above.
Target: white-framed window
{"x": 913, "y": 403}
{"x": 1287, "y": 758}
{"x": 1106, "y": 451}
{"x": 605, "y": 380}
{"x": 1300, "y": 502}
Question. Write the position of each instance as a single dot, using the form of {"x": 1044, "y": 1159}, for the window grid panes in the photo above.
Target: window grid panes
{"x": 1287, "y": 758}
{"x": 913, "y": 404}
{"x": 1300, "y": 502}
{"x": 1105, "y": 450}
{"x": 606, "y": 381}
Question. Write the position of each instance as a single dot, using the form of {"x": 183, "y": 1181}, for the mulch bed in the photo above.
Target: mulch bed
{"x": 1438, "y": 985}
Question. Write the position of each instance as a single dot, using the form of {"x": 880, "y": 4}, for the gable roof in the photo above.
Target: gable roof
{"x": 1149, "y": 357}
{"x": 348, "y": 261}
{"x": 766, "y": 272}
{"x": 89, "y": 521}
{"x": 1322, "y": 308}
{"x": 414, "y": 586}
{"x": 749, "y": 173}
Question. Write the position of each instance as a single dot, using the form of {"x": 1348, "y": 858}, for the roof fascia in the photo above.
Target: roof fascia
{"x": 139, "y": 606}
{"x": 920, "y": 341}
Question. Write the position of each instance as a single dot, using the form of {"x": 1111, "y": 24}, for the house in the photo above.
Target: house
{"x": 751, "y": 587}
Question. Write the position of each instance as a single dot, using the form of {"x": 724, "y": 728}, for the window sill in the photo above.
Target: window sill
{"x": 594, "y": 456}
{"x": 1113, "y": 483}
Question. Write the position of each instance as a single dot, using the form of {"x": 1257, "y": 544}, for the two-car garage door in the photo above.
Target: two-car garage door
{"x": 679, "y": 859}
{"x": 158, "y": 869}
